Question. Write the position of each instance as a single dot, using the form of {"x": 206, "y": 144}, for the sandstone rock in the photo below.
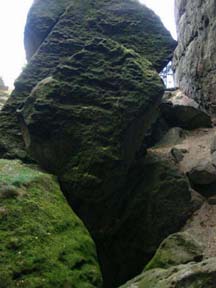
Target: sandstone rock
{"x": 179, "y": 248}
{"x": 127, "y": 22}
{"x": 42, "y": 243}
{"x": 95, "y": 126}
{"x": 42, "y": 17}
{"x": 181, "y": 111}
{"x": 195, "y": 56}
{"x": 203, "y": 174}
{"x": 92, "y": 90}
{"x": 190, "y": 275}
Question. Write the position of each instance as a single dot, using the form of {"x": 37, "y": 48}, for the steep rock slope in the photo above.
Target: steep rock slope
{"x": 194, "y": 60}
{"x": 42, "y": 242}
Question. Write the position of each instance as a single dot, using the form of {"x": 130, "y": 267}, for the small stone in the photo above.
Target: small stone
{"x": 181, "y": 111}
{"x": 203, "y": 173}
{"x": 177, "y": 154}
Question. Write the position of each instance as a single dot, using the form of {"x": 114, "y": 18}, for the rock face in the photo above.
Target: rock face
{"x": 126, "y": 22}
{"x": 101, "y": 134}
{"x": 84, "y": 103}
{"x": 194, "y": 59}
{"x": 42, "y": 242}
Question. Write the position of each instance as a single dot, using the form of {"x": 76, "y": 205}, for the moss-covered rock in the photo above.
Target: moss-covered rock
{"x": 191, "y": 275}
{"x": 56, "y": 35}
{"x": 178, "y": 248}
{"x": 127, "y": 22}
{"x": 42, "y": 242}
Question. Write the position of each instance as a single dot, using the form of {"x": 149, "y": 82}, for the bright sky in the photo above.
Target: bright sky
{"x": 12, "y": 20}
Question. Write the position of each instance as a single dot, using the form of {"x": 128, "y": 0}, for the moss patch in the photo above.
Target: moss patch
{"x": 42, "y": 242}
{"x": 179, "y": 248}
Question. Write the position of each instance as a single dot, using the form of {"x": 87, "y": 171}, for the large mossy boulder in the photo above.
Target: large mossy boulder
{"x": 127, "y": 22}
{"x": 55, "y": 33}
{"x": 84, "y": 103}
{"x": 42, "y": 242}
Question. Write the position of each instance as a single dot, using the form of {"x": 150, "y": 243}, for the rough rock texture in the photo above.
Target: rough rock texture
{"x": 178, "y": 248}
{"x": 191, "y": 275}
{"x": 127, "y": 22}
{"x": 42, "y": 17}
{"x": 42, "y": 242}
{"x": 195, "y": 56}
{"x": 182, "y": 111}
{"x": 92, "y": 90}
{"x": 92, "y": 143}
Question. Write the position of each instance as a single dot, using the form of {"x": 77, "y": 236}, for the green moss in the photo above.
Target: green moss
{"x": 42, "y": 242}
{"x": 179, "y": 248}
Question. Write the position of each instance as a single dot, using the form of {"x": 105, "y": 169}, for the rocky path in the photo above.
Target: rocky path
{"x": 194, "y": 148}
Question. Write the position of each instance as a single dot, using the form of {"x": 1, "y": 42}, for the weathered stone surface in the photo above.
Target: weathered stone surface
{"x": 95, "y": 124}
{"x": 179, "y": 248}
{"x": 127, "y": 22}
{"x": 181, "y": 111}
{"x": 92, "y": 90}
{"x": 195, "y": 56}
{"x": 191, "y": 275}
{"x": 42, "y": 242}
{"x": 42, "y": 17}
